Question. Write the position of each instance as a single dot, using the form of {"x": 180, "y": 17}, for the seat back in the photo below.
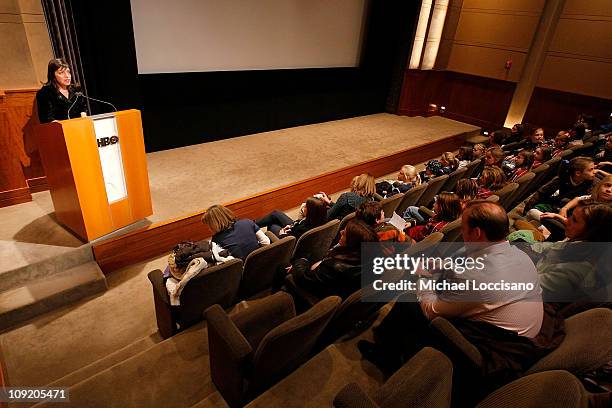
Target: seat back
{"x": 285, "y": 347}
{"x": 452, "y": 231}
{"x": 389, "y": 205}
{"x": 471, "y": 168}
{"x": 232, "y": 340}
{"x": 345, "y": 221}
{"x": 537, "y": 181}
{"x": 354, "y": 309}
{"x": 314, "y": 244}
{"x": 553, "y": 168}
{"x": 214, "y": 285}
{"x": 493, "y": 198}
{"x": 451, "y": 181}
{"x": 524, "y": 181}
{"x": 410, "y": 198}
{"x": 261, "y": 265}
{"x": 586, "y": 345}
{"x": 506, "y": 194}
{"x": 565, "y": 153}
{"x": 433, "y": 187}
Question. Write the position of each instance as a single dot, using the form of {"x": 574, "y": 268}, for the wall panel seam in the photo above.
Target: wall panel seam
{"x": 491, "y": 45}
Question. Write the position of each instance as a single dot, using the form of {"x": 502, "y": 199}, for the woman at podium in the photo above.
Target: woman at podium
{"x": 58, "y": 98}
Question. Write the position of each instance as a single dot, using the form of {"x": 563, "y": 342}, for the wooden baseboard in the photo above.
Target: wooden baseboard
{"x": 37, "y": 184}
{"x": 157, "y": 239}
{"x": 17, "y": 196}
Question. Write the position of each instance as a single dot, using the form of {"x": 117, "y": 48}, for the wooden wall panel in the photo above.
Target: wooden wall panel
{"x": 477, "y": 100}
{"x": 555, "y": 110}
{"x": 485, "y": 101}
{"x": 20, "y": 159}
{"x": 160, "y": 238}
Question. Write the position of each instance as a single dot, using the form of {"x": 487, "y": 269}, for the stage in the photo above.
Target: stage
{"x": 252, "y": 174}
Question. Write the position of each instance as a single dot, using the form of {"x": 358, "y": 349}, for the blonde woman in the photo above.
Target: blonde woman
{"x": 363, "y": 189}
{"x": 239, "y": 237}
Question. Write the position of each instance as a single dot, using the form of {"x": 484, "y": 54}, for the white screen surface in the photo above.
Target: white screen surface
{"x": 228, "y": 35}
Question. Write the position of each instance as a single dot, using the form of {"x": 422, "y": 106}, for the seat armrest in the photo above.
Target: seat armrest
{"x": 457, "y": 340}
{"x": 427, "y": 211}
{"x": 229, "y": 355}
{"x": 352, "y": 396}
{"x": 164, "y": 313}
{"x": 270, "y": 234}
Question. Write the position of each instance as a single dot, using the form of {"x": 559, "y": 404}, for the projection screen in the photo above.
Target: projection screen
{"x": 228, "y": 35}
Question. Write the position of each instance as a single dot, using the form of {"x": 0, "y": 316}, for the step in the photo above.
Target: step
{"x": 106, "y": 362}
{"x": 22, "y": 262}
{"x": 50, "y": 292}
{"x": 172, "y": 373}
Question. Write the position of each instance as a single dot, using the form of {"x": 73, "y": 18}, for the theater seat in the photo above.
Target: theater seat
{"x": 587, "y": 344}
{"x": 215, "y": 285}
{"x": 253, "y": 349}
{"x": 261, "y": 265}
{"x": 410, "y": 198}
{"x": 389, "y": 205}
{"x": 424, "y": 381}
{"x": 433, "y": 187}
{"x": 549, "y": 389}
{"x": 314, "y": 244}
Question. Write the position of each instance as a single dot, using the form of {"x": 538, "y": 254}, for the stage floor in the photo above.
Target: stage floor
{"x": 189, "y": 179}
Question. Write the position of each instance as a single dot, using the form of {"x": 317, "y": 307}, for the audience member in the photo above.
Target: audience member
{"x": 447, "y": 208}
{"x": 541, "y": 155}
{"x": 496, "y": 139}
{"x": 239, "y": 237}
{"x": 371, "y": 212}
{"x": 508, "y": 328}
{"x": 522, "y": 164}
{"x": 339, "y": 273}
{"x": 433, "y": 168}
{"x": 280, "y": 224}
{"x": 478, "y": 151}
{"x": 561, "y": 142}
{"x": 494, "y": 156}
{"x": 449, "y": 162}
{"x": 363, "y": 189}
{"x": 568, "y": 270}
{"x": 575, "y": 179}
{"x": 491, "y": 179}
{"x": 465, "y": 155}
{"x": 467, "y": 190}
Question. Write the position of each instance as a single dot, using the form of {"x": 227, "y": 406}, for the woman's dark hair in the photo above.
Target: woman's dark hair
{"x": 316, "y": 211}
{"x": 598, "y": 218}
{"x": 356, "y": 232}
{"x": 467, "y": 189}
{"x": 528, "y": 158}
{"x": 52, "y": 67}
{"x": 578, "y": 131}
{"x": 498, "y": 137}
{"x": 547, "y": 152}
{"x": 465, "y": 153}
{"x": 520, "y": 129}
{"x": 449, "y": 206}
{"x": 369, "y": 212}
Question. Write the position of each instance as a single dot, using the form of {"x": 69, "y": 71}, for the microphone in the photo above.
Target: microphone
{"x": 79, "y": 94}
{"x": 97, "y": 100}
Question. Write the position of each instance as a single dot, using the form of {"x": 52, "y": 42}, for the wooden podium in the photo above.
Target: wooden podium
{"x": 97, "y": 172}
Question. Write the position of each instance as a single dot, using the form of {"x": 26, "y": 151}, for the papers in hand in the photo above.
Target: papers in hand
{"x": 397, "y": 221}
